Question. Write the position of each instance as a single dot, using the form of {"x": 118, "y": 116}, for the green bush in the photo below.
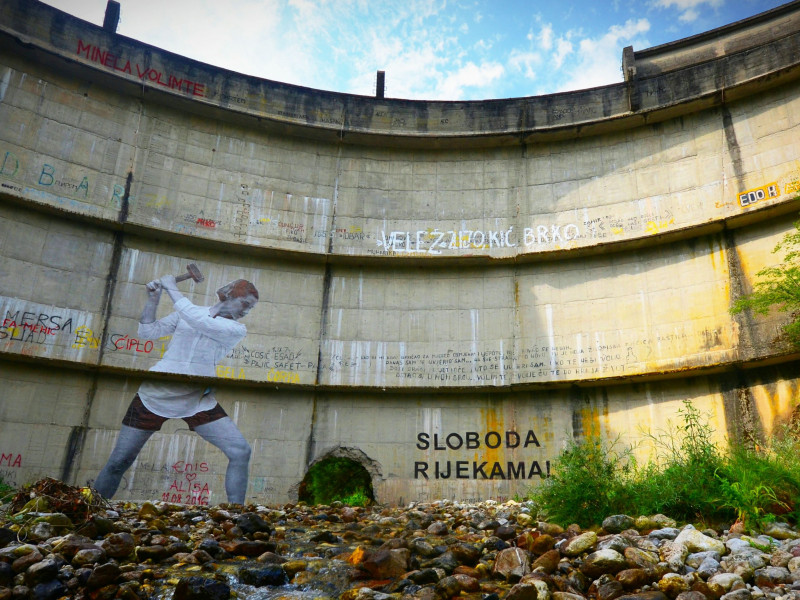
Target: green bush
{"x": 337, "y": 479}
{"x": 688, "y": 479}
{"x": 588, "y": 479}
{"x": 6, "y": 491}
{"x": 759, "y": 485}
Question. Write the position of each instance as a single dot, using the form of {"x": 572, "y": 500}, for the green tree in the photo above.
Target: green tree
{"x": 778, "y": 286}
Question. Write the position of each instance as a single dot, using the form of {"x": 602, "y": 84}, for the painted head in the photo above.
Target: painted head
{"x": 236, "y": 299}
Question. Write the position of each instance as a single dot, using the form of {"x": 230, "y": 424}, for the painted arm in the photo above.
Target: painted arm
{"x": 149, "y": 328}
{"x": 153, "y": 297}
{"x": 226, "y": 331}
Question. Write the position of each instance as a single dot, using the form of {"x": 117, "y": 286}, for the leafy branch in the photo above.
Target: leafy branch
{"x": 778, "y": 287}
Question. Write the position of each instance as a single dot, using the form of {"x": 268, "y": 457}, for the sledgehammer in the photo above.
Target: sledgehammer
{"x": 192, "y": 272}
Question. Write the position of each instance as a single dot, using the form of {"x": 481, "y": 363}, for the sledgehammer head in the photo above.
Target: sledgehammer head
{"x": 192, "y": 272}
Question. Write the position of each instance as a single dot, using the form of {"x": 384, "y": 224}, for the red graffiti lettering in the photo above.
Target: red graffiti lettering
{"x": 112, "y": 61}
{"x": 10, "y": 460}
{"x": 187, "y": 467}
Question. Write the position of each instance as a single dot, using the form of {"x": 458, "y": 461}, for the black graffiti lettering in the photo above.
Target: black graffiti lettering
{"x": 517, "y": 472}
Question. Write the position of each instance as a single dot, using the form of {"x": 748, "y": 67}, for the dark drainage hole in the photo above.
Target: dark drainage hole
{"x": 337, "y": 479}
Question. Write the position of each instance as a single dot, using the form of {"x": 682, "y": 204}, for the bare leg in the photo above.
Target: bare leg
{"x": 129, "y": 443}
{"x": 224, "y": 434}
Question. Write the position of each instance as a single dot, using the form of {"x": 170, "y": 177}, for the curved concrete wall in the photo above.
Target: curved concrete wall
{"x": 448, "y": 290}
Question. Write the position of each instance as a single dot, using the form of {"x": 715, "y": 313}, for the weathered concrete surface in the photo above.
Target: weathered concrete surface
{"x": 428, "y": 272}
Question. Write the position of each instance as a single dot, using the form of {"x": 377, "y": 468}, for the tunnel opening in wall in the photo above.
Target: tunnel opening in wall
{"x": 341, "y": 475}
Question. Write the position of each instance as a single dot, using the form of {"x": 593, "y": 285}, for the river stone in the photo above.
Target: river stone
{"x": 743, "y": 594}
{"x": 119, "y": 545}
{"x": 606, "y": 588}
{"x": 438, "y": 528}
{"x": 200, "y": 588}
{"x": 386, "y": 564}
{"x": 505, "y": 532}
{"x": 49, "y": 590}
{"x": 771, "y": 576}
{"x": 722, "y": 583}
{"x": 618, "y": 523}
{"x": 673, "y": 584}
{"x": 637, "y": 557}
{"x": 708, "y": 567}
{"x": 88, "y": 556}
{"x": 446, "y": 561}
{"x": 155, "y": 553}
{"x": 529, "y": 590}
{"x": 665, "y": 533}
{"x": 262, "y": 576}
{"x": 512, "y": 564}
{"x": 325, "y": 537}
{"x": 251, "y": 522}
{"x": 644, "y": 596}
{"x": 780, "y": 531}
{"x": 148, "y": 511}
{"x": 695, "y": 559}
{"x": 39, "y": 532}
{"x": 466, "y": 554}
{"x": 567, "y": 596}
{"x": 6, "y": 574}
{"x": 60, "y": 522}
{"x": 636, "y": 578}
{"x": 547, "y": 562}
{"x": 102, "y": 575}
{"x": 26, "y": 560}
{"x": 647, "y": 523}
{"x": 691, "y": 595}
{"x": 603, "y": 561}
{"x": 780, "y": 558}
{"x": 549, "y": 528}
{"x": 674, "y": 554}
{"x": 468, "y": 584}
{"x": 6, "y": 536}
{"x": 544, "y": 543}
{"x": 42, "y": 571}
{"x": 794, "y": 564}
{"x": 579, "y": 544}
{"x": 447, "y": 587}
{"x": 696, "y": 541}
{"x": 755, "y": 557}
{"x": 736, "y": 544}
{"x": 242, "y": 547}
{"x": 423, "y": 548}
{"x": 424, "y": 576}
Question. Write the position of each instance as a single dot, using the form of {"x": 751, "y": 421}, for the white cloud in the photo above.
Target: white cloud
{"x": 469, "y": 76}
{"x": 524, "y": 62}
{"x": 546, "y": 37}
{"x": 563, "y": 49}
{"x": 688, "y": 8}
{"x": 598, "y": 60}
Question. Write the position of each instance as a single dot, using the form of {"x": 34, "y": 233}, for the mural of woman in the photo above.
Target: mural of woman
{"x": 201, "y": 337}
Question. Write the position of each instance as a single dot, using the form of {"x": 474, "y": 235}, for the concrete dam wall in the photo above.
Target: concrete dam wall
{"x": 447, "y": 291}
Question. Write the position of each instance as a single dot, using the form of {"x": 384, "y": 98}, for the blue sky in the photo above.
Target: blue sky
{"x": 430, "y": 49}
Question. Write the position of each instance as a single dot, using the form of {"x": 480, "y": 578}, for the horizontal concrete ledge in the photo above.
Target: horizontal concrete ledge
{"x": 755, "y": 215}
{"x": 781, "y": 358}
{"x": 736, "y": 61}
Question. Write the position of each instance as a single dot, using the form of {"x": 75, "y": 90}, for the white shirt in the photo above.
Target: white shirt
{"x": 198, "y": 343}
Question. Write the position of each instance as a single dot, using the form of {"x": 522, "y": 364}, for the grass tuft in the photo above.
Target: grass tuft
{"x": 689, "y": 479}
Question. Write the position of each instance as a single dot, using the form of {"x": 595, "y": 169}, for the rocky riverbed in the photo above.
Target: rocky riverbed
{"x": 435, "y": 551}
